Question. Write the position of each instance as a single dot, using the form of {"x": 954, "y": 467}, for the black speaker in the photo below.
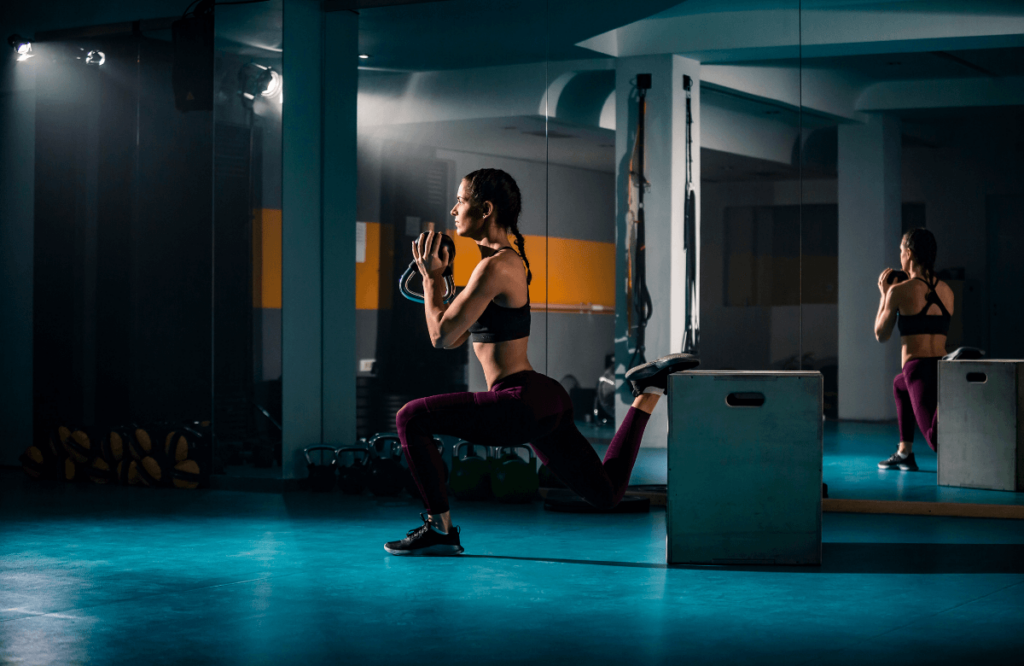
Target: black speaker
{"x": 192, "y": 72}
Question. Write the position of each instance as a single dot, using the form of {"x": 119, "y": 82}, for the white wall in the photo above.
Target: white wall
{"x": 756, "y": 337}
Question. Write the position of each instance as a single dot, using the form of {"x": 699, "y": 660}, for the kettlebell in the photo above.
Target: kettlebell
{"x": 448, "y": 275}
{"x": 410, "y": 482}
{"x": 470, "y": 473}
{"x": 512, "y": 478}
{"x": 352, "y": 478}
{"x": 386, "y": 476}
{"x": 321, "y": 473}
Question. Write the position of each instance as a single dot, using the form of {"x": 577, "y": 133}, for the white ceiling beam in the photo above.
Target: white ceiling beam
{"x": 825, "y": 29}
{"x": 942, "y": 94}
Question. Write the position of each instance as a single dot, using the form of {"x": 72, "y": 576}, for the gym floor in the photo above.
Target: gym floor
{"x": 109, "y": 575}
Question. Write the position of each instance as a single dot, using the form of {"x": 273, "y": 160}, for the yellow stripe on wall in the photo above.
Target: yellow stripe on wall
{"x": 266, "y": 258}
{"x": 368, "y": 272}
{"x": 583, "y": 272}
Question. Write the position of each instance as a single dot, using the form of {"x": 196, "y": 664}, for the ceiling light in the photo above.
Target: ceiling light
{"x": 364, "y": 56}
{"x": 95, "y": 58}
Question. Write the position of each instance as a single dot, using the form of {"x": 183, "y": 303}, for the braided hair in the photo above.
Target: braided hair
{"x": 500, "y": 189}
{"x": 921, "y": 242}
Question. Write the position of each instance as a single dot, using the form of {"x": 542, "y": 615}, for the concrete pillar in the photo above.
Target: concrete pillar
{"x": 339, "y": 235}
{"x": 869, "y": 237}
{"x": 301, "y": 321}
{"x": 665, "y": 204}
{"x": 318, "y": 253}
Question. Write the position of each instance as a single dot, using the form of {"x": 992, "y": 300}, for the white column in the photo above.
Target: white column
{"x": 665, "y": 205}
{"x": 869, "y": 236}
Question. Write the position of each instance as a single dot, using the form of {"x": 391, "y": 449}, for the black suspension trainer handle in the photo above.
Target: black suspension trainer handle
{"x": 641, "y": 296}
{"x": 448, "y": 275}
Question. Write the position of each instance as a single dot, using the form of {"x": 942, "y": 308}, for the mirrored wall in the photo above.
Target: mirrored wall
{"x": 784, "y": 150}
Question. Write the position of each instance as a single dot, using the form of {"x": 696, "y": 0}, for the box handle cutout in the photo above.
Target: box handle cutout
{"x": 976, "y": 377}
{"x": 745, "y": 399}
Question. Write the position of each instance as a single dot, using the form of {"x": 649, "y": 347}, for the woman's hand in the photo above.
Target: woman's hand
{"x": 883, "y": 282}
{"x": 425, "y": 254}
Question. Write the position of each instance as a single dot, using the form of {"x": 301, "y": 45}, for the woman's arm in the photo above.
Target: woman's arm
{"x": 448, "y": 325}
{"x": 885, "y": 320}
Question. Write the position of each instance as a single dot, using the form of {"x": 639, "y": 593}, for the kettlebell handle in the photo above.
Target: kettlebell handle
{"x": 455, "y": 449}
{"x": 513, "y": 447}
{"x": 353, "y": 450}
{"x": 310, "y": 449}
{"x": 448, "y": 275}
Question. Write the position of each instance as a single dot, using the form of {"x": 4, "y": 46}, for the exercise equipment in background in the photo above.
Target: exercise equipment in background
{"x": 386, "y": 477}
{"x": 691, "y": 330}
{"x": 513, "y": 479}
{"x": 352, "y": 477}
{"x": 965, "y": 354}
{"x": 448, "y": 274}
{"x": 640, "y": 306}
{"x": 321, "y": 473}
{"x": 470, "y": 477}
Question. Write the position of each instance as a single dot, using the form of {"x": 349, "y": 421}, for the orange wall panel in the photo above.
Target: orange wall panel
{"x": 266, "y": 258}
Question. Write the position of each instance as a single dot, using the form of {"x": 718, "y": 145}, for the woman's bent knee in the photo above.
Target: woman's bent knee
{"x": 407, "y": 414}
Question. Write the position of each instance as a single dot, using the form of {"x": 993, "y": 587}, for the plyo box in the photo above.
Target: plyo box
{"x": 981, "y": 424}
{"x": 744, "y": 467}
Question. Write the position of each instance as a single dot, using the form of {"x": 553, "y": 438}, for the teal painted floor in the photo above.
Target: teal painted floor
{"x": 849, "y": 467}
{"x": 109, "y": 575}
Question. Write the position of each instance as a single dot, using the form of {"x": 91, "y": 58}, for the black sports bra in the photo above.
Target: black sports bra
{"x": 499, "y": 324}
{"x": 922, "y": 323}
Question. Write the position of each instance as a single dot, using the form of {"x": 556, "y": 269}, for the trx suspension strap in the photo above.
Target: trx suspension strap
{"x": 641, "y": 298}
{"x": 691, "y": 333}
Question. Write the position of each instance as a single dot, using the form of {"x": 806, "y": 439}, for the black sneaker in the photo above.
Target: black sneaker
{"x": 655, "y": 373}
{"x": 426, "y": 540}
{"x": 907, "y": 464}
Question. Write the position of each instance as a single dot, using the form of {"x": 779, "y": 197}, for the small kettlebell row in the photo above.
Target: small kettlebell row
{"x": 379, "y": 466}
{"x": 160, "y": 455}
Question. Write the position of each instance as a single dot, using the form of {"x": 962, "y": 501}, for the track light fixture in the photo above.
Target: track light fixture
{"x": 256, "y": 80}
{"x": 21, "y": 46}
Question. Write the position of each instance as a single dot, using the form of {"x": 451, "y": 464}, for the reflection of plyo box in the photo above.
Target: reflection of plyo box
{"x": 981, "y": 424}
{"x": 744, "y": 467}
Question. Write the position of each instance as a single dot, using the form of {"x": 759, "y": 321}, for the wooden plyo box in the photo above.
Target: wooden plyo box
{"x": 744, "y": 467}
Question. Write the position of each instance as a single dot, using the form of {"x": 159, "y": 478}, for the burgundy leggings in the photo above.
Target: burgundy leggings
{"x": 917, "y": 397}
{"x": 524, "y": 408}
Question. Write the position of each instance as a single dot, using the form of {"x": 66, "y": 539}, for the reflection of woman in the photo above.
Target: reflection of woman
{"x": 521, "y": 406}
{"x": 921, "y": 307}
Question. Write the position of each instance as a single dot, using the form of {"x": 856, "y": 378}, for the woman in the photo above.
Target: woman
{"x": 921, "y": 307}
{"x": 521, "y": 406}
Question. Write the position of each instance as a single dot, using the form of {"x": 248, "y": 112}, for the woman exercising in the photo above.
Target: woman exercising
{"x": 521, "y": 406}
{"x": 923, "y": 336}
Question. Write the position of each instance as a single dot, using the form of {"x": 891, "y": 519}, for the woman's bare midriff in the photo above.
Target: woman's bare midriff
{"x": 501, "y": 359}
{"x": 926, "y": 345}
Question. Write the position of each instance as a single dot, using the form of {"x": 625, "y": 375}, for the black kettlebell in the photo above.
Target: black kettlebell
{"x": 353, "y": 477}
{"x": 410, "y": 483}
{"x": 896, "y": 276}
{"x": 470, "y": 473}
{"x": 448, "y": 274}
{"x": 512, "y": 478}
{"x": 386, "y": 476}
{"x": 321, "y": 473}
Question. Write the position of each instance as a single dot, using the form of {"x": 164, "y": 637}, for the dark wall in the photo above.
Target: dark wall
{"x": 123, "y": 241}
